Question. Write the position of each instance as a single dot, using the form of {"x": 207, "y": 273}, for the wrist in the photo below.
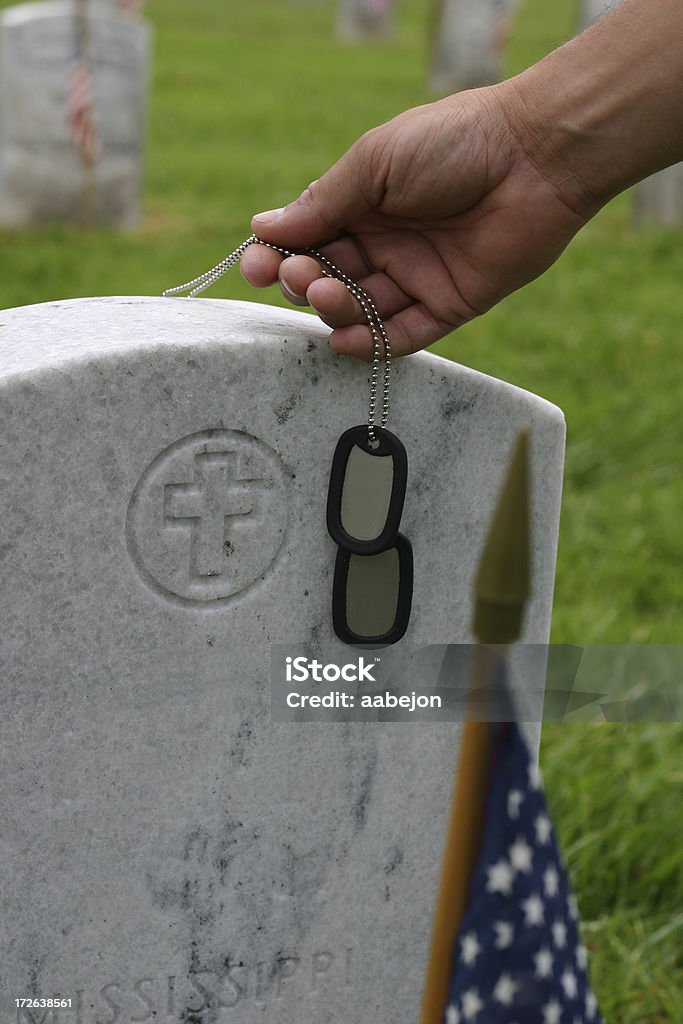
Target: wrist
{"x": 603, "y": 111}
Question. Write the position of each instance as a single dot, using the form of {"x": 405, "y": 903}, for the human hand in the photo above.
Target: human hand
{"x": 438, "y": 215}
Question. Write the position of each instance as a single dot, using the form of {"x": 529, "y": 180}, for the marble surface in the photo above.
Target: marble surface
{"x": 41, "y": 174}
{"x": 168, "y": 852}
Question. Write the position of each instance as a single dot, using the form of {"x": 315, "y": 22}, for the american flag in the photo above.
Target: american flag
{"x": 518, "y": 958}
{"x": 80, "y": 113}
{"x": 130, "y": 6}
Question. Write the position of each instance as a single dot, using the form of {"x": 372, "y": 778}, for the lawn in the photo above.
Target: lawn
{"x": 249, "y": 103}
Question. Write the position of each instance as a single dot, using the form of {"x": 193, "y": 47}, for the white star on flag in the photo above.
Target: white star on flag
{"x": 505, "y": 990}
{"x": 505, "y": 934}
{"x": 569, "y": 984}
{"x": 533, "y": 911}
{"x": 470, "y": 948}
{"x": 500, "y": 879}
{"x": 471, "y": 1004}
{"x": 551, "y": 882}
{"x": 544, "y": 829}
{"x": 515, "y": 798}
{"x": 560, "y": 934}
{"x": 521, "y": 855}
{"x": 544, "y": 963}
{"x": 452, "y": 1016}
{"x": 552, "y": 1012}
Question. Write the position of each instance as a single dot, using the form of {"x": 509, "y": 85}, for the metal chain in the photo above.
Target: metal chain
{"x": 381, "y": 346}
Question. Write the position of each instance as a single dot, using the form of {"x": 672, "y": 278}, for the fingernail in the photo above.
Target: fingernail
{"x": 298, "y": 300}
{"x": 268, "y": 215}
{"x": 328, "y": 323}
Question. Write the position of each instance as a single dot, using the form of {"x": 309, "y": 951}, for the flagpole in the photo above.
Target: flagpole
{"x": 501, "y": 591}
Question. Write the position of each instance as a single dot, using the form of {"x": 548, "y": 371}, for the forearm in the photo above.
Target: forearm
{"x": 606, "y": 109}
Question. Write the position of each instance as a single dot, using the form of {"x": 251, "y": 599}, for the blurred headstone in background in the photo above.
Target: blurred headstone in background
{"x": 468, "y": 41}
{"x": 658, "y": 199}
{"x": 366, "y": 19}
{"x": 591, "y": 10}
{"x": 44, "y": 103}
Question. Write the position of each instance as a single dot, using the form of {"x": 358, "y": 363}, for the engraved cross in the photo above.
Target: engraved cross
{"x": 217, "y": 493}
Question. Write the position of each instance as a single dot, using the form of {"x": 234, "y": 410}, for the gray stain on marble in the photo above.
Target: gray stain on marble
{"x": 395, "y": 860}
{"x": 363, "y": 775}
{"x": 283, "y": 411}
{"x": 454, "y": 405}
{"x": 244, "y": 742}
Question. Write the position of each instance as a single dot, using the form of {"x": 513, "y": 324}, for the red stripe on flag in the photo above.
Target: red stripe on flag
{"x": 81, "y": 115}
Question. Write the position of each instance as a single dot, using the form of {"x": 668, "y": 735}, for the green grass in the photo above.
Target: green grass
{"x": 252, "y": 101}
{"x": 599, "y": 335}
{"x": 615, "y": 794}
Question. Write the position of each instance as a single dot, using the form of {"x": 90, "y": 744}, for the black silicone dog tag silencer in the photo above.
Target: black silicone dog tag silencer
{"x": 372, "y": 595}
{"x": 367, "y": 490}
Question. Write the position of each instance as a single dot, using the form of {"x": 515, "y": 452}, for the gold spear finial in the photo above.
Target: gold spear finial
{"x": 502, "y": 584}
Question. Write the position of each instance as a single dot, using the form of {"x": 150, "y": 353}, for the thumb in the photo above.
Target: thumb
{"x": 322, "y": 212}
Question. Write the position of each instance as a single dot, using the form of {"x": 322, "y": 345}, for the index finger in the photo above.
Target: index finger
{"x": 259, "y": 265}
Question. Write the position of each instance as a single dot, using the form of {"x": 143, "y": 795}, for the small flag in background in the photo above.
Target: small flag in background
{"x": 130, "y": 6}
{"x": 80, "y": 113}
{"x": 518, "y": 958}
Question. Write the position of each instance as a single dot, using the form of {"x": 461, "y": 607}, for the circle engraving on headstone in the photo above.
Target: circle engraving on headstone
{"x": 207, "y": 518}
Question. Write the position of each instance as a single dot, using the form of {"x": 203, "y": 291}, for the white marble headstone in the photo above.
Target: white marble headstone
{"x": 169, "y": 853}
{"x": 659, "y": 198}
{"x": 41, "y": 172}
{"x": 467, "y": 44}
{"x": 365, "y": 19}
{"x": 592, "y": 10}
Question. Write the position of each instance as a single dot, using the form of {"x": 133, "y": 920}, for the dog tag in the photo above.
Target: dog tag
{"x": 367, "y": 490}
{"x": 372, "y": 594}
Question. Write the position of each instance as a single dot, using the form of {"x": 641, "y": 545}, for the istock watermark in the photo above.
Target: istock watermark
{"x": 362, "y": 697}
{"x": 326, "y": 687}
{"x": 432, "y": 683}
{"x": 301, "y": 670}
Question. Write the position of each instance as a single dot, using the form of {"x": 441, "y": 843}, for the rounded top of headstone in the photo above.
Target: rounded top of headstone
{"x": 22, "y": 13}
{"x": 72, "y": 330}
